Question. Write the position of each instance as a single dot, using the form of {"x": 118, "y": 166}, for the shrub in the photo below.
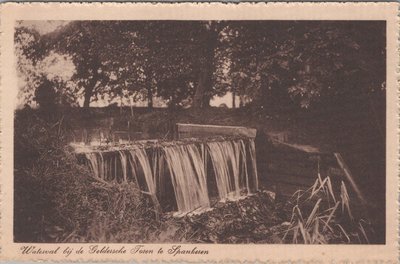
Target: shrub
{"x": 57, "y": 200}
{"x": 49, "y": 185}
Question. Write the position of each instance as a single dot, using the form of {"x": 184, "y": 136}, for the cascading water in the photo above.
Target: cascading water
{"x": 186, "y": 166}
{"x": 96, "y": 164}
{"x": 189, "y": 165}
{"x": 124, "y": 164}
{"x": 225, "y": 157}
{"x": 139, "y": 157}
{"x": 252, "y": 151}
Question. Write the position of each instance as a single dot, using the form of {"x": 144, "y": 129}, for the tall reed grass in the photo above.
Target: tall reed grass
{"x": 321, "y": 217}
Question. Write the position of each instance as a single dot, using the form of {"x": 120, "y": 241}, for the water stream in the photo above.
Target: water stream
{"x": 189, "y": 166}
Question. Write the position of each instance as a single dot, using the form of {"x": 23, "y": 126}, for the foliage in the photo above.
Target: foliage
{"x": 36, "y": 69}
{"x": 49, "y": 184}
{"x": 317, "y": 218}
{"x": 304, "y": 62}
{"x": 56, "y": 200}
{"x": 100, "y": 52}
{"x": 128, "y": 58}
{"x": 120, "y": 214}
{"x": 26, "y": 43}
{"x": 243, "y": 221}
{"x": 274, "y": 63}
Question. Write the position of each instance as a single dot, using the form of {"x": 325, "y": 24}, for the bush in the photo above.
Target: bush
{"x": 56, "y": 200}
{"x": 49, "y": 184}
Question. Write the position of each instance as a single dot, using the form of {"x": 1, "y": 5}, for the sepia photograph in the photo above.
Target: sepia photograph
{"x": 200, "y": 131}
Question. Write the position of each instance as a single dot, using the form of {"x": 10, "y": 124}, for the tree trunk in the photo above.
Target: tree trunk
{"x": 89, "y": 89}
{"x": 86, "y": 102}
{"x": 241, "y": 101}
{"x": 264, "y": 98}
{"x": 88, "y": 93}
{"x": 206, "y": 100}
{"x": 199, "y": 93}
{"x": 150, "y": 81}
{"x": 202, "y": 95}
{"x": 150, "y": 96}
{"x": 120, "y": 107}
{"x": 233, "y": 98}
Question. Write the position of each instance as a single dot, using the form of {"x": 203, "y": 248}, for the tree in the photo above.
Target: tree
{"x": 181, "y": 54}
{"x": 45, "y": 95}
{"x": 103, "y": 52}
{"x": 300, "y": 62}
{"x": 173, "y": 60}
{"x": 273, "y": 63}
{"x": 36, "y": 69}
{"x": 26, "y": 43}
{"x": 133, "y": 56}
{"x": 206, "y": 64}
{"x": 140, "y": 57}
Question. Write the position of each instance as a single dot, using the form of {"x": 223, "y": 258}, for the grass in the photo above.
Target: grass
{"x": 317, "y": 219}
{"x": 57, "y": 200}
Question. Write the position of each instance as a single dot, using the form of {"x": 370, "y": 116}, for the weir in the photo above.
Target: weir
{"x": 184, "y": 175}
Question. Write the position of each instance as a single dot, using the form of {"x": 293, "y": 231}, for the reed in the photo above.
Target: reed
{"x": 316, "y": 219}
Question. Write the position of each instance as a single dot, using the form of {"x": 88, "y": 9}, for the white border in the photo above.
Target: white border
{"x": 10, "y": 12}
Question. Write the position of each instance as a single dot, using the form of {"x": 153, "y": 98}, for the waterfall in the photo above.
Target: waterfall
{"x": 252, "y": 151}
{"x": 96, "y": 164}
{"x": 188, "y": 165}
{"x": 124, "y": 164}
{"x": 139, "y": 157}
{"x": 225, "y": 157}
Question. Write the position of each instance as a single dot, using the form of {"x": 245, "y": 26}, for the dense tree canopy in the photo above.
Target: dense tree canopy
{"x": 271, "y": 63}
